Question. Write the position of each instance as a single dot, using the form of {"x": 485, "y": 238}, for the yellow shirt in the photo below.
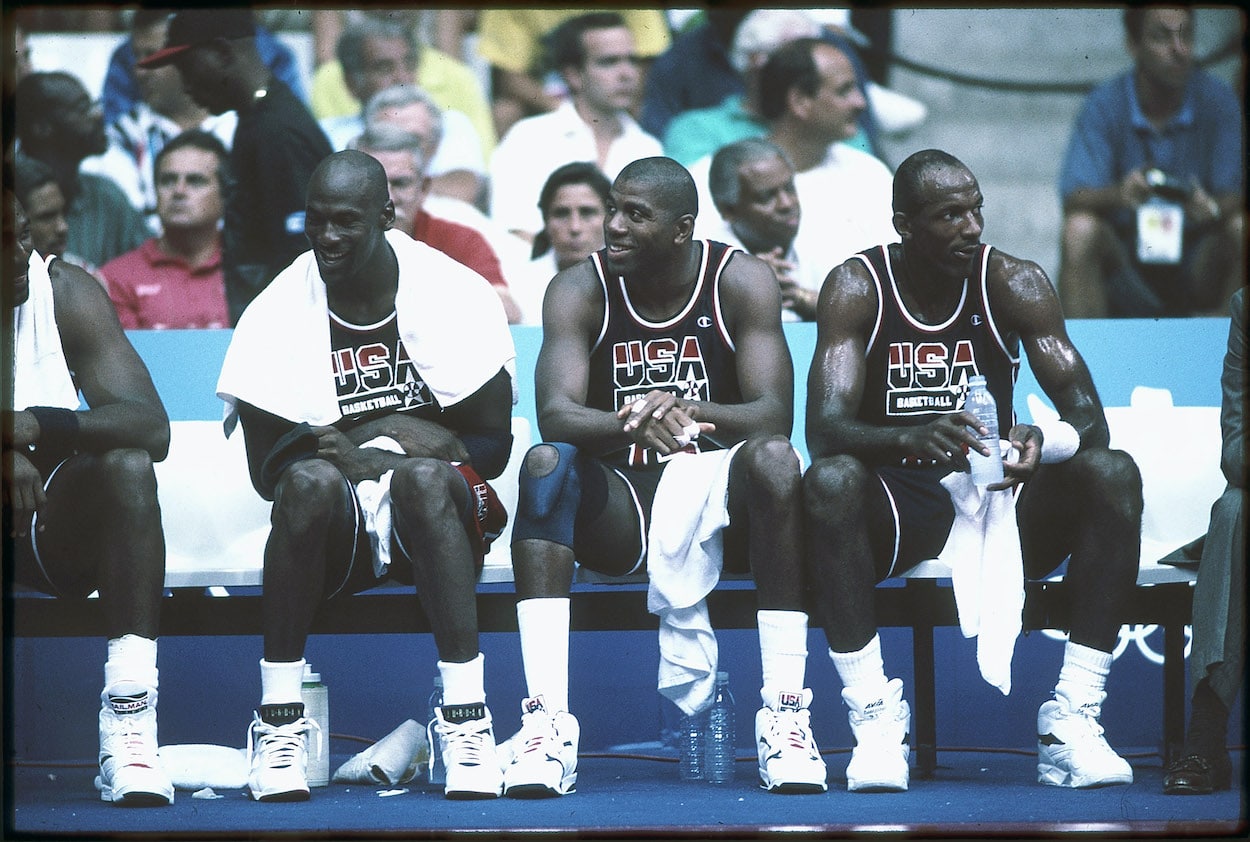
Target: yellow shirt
{"x": 510, "y": 38}
{"x": 449, "y": 82}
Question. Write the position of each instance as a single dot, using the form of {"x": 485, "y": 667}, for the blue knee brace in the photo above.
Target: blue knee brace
{"x": 547, "y": 505}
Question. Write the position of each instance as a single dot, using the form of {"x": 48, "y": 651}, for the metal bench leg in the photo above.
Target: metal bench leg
{"x": 924, "y": 714}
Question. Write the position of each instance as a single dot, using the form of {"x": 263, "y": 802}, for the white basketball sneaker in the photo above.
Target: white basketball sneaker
{"x": 277, "y": 752}
{"x": 789, "y": 759}
{"x": 130, "y": 772}
{"x": 467, "y": 741}
{"x": 880, "y": 722}
{"x": 542, "y": 756}
{"x": 1071, "y": 749}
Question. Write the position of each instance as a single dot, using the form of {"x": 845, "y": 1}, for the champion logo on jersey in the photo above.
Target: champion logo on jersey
{"x": 704, "y": 321}
{"x": 977, "y": 320}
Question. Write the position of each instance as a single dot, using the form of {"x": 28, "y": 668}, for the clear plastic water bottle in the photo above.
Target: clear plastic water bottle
{"x": 316, "y": 698}
{"x": 437, "y": 774}
{"x": 986, "y": 470}
{"x": 720, "y": 734}
{"x": 692, "y": 738}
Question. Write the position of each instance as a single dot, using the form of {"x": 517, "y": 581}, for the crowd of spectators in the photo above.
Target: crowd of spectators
{"x": 502, "y": 98}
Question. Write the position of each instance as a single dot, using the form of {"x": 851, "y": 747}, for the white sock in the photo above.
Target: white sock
{"x": 862, "y": 667}
{"x": 280, "y": 682}
{"x": 131, "y": 658}
{"x": 544, "y": 627}
{"x": 783, "y": 650}
{"x": 1083, "y": 674}
{"x": 464, "y": 684}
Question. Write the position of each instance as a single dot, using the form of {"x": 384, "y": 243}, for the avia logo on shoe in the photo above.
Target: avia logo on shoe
{"x": 789, "y": 701}
{"x": 873, "y": 708}
{"x": 464, "y": 713}
{"x": 129, "y": 704}
{"x": 534, "y": 705}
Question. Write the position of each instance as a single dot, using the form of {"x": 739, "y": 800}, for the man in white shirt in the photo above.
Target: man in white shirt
{"x": 595, "y": 55}
{"x": 812, "y": 103}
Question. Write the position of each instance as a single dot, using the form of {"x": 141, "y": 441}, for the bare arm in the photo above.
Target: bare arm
{"x": 846, "y": 312}
{"x": 125, "y": 410}
{"x": 1025, "y": 299}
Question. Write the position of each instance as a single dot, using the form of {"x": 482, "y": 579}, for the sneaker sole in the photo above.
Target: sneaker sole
{"x": 1054, "y": 776}
{"x": 468, "y": 795}
{"x": 283, "y": 797}
{"x": 795, "y": 788}
{"x": 136, "y": 798}
{"x": 531, "y": 791}
{"x": 876, "y": 786}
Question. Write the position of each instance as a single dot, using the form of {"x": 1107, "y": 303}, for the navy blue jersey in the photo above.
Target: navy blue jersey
{"x": 916, "y": 371}
{"x": 691, "y": 354}
{"x": 373, "y": 374}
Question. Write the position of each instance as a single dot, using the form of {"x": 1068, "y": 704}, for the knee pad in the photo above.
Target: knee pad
{"x": 547, "y": 505}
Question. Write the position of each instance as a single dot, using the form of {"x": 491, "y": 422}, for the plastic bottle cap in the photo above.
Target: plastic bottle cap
{"x": 438, "y": 681}
{"x": 311, "y": 677}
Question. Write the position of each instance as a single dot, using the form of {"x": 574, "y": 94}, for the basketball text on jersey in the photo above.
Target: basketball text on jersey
{"x": 928, "y": 377}
{"x": 377, "y": 376}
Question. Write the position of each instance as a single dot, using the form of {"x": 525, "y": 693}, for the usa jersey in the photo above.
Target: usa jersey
{"x": 690, "y": 355}
{"x": 373, "y": 374}
{"x": 916, "y": 371}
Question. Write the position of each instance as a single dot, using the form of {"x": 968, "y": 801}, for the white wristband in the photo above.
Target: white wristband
{"x": 1060, "y": 440}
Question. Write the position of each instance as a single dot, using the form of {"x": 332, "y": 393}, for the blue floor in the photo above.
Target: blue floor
{"x": 971, "y": 793}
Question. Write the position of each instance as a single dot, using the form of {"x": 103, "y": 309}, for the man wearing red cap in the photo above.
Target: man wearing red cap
{"x": 276, "y": 147}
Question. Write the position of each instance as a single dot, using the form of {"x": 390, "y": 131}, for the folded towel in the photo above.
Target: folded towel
{"x": 40, "y": 374}
{"x": 451, "y": 322}
{"x": 374, "y": 497}
{"x": 987, "y": 571}
{"x": 684, "y": 564}
{"x": 197, "y": 765}
{"x": 397, "y": 758}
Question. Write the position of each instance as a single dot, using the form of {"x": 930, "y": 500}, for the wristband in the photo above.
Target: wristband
{"x": 1060, "y": 440}
{"x": 58, "y": 428}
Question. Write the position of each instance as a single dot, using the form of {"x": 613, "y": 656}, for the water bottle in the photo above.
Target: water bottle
{"x": 437, "y": 774}
{"x": 316, "y": 698}
{"x": 692, "y": 739}
{"x": 719, "y": 767}
{"x": 986, "y": 470}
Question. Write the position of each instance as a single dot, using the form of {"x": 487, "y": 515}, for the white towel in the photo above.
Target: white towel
{"x": 451, "y": 322}
{"x": 374, "y": 496}
{"x": 987, "y": 571}
{"x": 684, "y": 564}
{"x": 41, "y": 375}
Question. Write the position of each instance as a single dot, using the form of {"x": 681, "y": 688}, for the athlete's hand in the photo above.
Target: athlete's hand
{"x": 20, "y": 428}
{"x": 660, "y": 421}
{"x": 944, "y": 441}
{"x": 1026, "y": 440}
{"x": 23, "y": 491}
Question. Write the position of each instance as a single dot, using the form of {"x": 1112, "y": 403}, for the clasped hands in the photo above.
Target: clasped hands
{"x": 948, "y": 439}
{"x": 660, "y": 421}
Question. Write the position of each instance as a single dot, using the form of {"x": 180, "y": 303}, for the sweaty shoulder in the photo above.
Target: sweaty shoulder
{"x": 1019, "y": 291}
{"x": 575, "y": 294}
{"x": 748, "y": 285}
{"x": 848, "y": 297}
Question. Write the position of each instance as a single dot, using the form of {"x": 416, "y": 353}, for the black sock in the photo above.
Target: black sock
{"x": 1208, "y": 724}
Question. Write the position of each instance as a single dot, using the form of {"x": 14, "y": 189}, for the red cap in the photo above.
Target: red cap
{"x": 199, "y": 26}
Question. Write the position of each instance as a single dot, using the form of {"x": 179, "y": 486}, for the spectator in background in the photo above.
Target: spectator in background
{"x": 447, "y": 79}
{"x": 695, "y": 133}
{"x": 809, "y": 96}
{"x": 57, "y": 123}
{"x": 174, "y": 280}
{"x": 162, "y": 112}
{"x": 277, "y": 144}
{"x": 1217, "y": 661}
{"x": 522, "y": 84}
{"x": 123, "y": 90}
{"x": 752, "y": 184}
{"x": 38, "y": 190}
{"x": 696, "y": 71}
{"x": 574, "y": 204}
{"x": 1156, "y": 149}
{"x": 377, "y": 54}
{"x": 80, "y": 506}
{"x": 402, "y": 156}
{"x": 595, "y": 54}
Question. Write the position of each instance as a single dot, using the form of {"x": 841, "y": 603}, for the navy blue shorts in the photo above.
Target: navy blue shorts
{"x": 923, "y": 513}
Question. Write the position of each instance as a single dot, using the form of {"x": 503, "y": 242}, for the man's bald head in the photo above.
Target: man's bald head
{"x": 348, "y": 173}
{"x": 665, "y": 179}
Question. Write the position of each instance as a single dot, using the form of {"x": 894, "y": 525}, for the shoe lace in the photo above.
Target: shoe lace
{"x": 793, "y": 729}
{"x": 1090, "y": 712}
{"x": 466, "y": 741}
{"x": 129, "y": 740}
{"x": 280, "y": 745}
{"x": 537, "y": 732}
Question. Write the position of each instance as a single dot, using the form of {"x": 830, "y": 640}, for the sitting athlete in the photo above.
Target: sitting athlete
{"x": 901, "y": 328}
{"x": 374, "y": 462}
{"x": 663, "y": 373}
{"x": 80, "y": 507}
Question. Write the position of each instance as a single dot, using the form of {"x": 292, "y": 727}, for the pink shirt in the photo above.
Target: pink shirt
{"x": 156, "y": 290}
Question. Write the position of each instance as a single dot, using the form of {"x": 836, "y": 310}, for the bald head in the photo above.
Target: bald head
{"x": 909, "y": 178}
{"x": 351, "y": 173}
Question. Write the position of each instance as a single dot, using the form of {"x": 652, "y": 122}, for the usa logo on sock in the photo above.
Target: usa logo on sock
{"x": 789, "y": 701}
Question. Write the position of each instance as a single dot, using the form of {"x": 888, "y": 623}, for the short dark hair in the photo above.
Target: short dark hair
{"x": 564, "y": 47}
{"x": 909, "y": 177}
{"x": 196, "y": 139}
{"x": 1135, "y": 20}
{"x": 29, "y": 174}
{"x": 790, "y": 66}
{"x": 576, "y": 172}
{"x": 722, "y": 178}
{"x": 673, "y": 183}
{"x": 31, "y": 102}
